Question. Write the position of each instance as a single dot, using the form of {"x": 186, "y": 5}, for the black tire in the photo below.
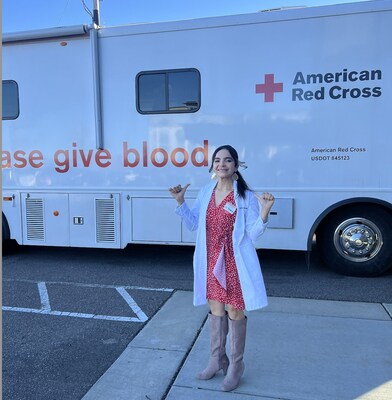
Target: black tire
{"x": 5, "y": 228}
{"x": 357, "y": 240}
{"x": 8, "y": 245}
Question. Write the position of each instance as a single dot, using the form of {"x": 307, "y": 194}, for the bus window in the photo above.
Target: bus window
{"x": 171, "y": 91}
{"x": 10, "y": 100}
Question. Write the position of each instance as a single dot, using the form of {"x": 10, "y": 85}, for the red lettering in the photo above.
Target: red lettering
{"x": 74, "y": 156}
{"x": 21, "y": 159}
{"x": 36, "y": 155}
{"x": 165, "y": 157}
{"x": 86, "y": 160}
{"x": 204, "y": 151}
{"x": 61, "y": 162}
{"x": 173, "y": 157}
{"x": 126, "y": 153}
{"x": 19, "y": 156}
{"x": 6, "y": 159}
{"x": 159, "y": 157}
{"x": 145, "y": 154}
{"x": 102, "y": 155}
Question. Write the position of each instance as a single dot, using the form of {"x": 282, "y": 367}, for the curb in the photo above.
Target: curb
{"x": 145, "y": 370}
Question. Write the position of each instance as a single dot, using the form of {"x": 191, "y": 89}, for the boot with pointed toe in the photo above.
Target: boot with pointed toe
{"x": 237, "y": 346}
{"x": 218, "y": 359}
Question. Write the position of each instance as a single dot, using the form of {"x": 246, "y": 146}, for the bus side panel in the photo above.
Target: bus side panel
{"x": 305, "y": 101}
{"x": 316, "y": 142}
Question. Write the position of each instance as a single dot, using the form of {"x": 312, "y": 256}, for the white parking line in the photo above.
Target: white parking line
{"x": 72, "y": 314}
{"x": 93, "y": 285}
{"x": 43, "y": 294}
{"x": 122, "y": 290}
{"x": 132, "y": 303}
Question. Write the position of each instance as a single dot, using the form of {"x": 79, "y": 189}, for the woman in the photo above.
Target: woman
{"x": 227, "y": 272}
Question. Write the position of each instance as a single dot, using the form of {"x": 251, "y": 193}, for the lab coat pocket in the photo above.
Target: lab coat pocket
{"x": 251, "y": 262}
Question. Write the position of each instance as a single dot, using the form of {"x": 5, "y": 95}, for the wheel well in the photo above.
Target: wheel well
{"x": 345, "y": 204}
{"x": 6, "y": 233}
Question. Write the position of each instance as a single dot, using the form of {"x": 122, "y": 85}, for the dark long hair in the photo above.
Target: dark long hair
{"x": 242, "y": 186}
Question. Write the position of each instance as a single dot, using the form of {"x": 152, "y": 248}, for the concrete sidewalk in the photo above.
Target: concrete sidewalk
{"x": 295, "y": 349}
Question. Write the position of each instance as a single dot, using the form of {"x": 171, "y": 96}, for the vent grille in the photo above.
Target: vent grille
{"x": 35, "y": 219}
{"x": 105, "y": 220}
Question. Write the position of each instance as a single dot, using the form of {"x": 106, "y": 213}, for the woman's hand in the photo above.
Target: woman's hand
{"x": 266, "y": 201}
{"x": 178, "y": 193}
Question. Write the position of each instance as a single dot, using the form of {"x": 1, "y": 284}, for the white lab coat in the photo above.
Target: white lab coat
{"x": 248, "y": 227}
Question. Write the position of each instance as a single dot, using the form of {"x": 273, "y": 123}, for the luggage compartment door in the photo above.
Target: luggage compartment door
{"x": 94, "y": 220}
{"x": 154, "y": 221}
{"x": 45, "y": 219}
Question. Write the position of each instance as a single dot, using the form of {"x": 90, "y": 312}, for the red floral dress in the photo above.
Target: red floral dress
{"x": 223, "y": 283}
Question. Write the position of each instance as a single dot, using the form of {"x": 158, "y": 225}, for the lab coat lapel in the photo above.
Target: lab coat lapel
{"x": 239, "y": 226}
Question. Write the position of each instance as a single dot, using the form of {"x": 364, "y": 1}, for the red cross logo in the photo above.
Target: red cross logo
{"x": 269, "y": 88}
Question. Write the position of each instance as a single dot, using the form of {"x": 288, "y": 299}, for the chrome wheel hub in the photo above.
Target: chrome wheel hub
{"x": 358, "y": 239}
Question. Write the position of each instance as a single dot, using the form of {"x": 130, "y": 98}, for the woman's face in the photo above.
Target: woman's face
{"x": 224, "y": 164}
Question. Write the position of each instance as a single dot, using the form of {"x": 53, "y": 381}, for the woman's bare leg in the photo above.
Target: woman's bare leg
{"x": 217, "y": 309}
{"x": 235, "y": 314}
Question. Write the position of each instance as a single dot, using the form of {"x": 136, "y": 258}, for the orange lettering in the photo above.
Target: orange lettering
{"x": 36, "y": 155}
{"x": 6, "y": 159}
{"x": 145, "y": 154}
{"x": 19, "y": 156}
{"x": 102, "y": 155}
{"x": 62, "y": 165}
{"x": 173, "y": 157}
{"x": 86, "y": 160}
{"x": 204, "y": 152}
{"x": 126, "y": 152}
{"x": 165, "y": 157}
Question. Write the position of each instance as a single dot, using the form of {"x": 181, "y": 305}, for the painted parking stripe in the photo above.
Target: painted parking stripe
{"x": 71, "y": 314}
{"x": 44, "y": 296}
{"x": 122, "y": 290}
{"x": 132, "y": 303}
{"x": 92, "y": 285}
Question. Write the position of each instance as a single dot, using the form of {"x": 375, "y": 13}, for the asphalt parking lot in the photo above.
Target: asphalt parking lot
{"x": 59, "y": 338}
{"x": 69, "y": 313}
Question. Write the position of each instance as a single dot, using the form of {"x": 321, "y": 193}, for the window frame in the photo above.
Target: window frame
{"x": 17, "y": 98}
{"x": 166, "y": 72}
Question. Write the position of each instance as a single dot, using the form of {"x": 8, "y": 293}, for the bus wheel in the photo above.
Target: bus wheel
{"x": 356, "y": 241}
{"x": 8, "y": 245}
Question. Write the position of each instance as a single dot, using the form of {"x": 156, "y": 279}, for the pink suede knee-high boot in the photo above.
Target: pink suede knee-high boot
{"x": 237, "y": 346}
{"x": 218, "y": 359}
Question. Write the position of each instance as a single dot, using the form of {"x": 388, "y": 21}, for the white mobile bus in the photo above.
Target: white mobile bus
{"x": 98, "y": 122}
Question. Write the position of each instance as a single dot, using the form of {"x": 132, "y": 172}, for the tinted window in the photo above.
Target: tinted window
{"x": 152, "y": 96}
{"x": 10, "y": 100}
{"x": 173, "y": 91}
